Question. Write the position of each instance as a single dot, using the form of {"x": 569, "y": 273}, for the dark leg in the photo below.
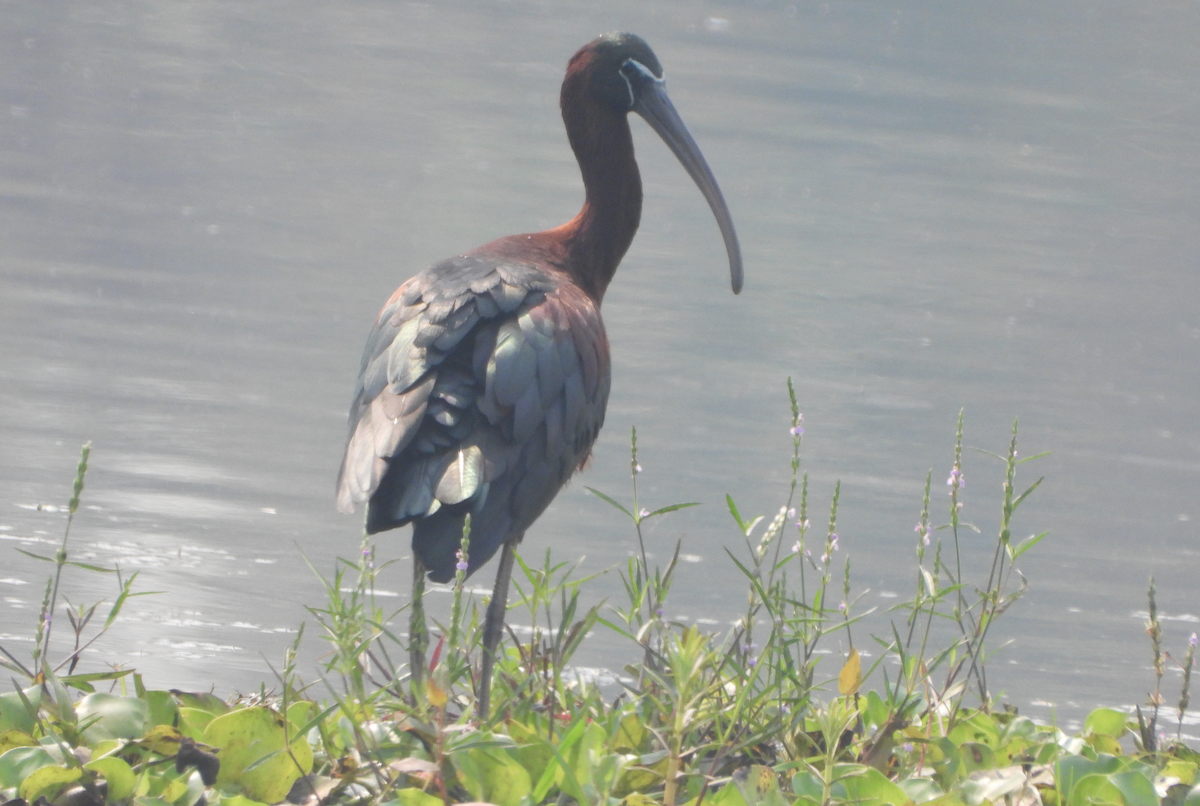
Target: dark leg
{"x": 418, "y": 633}
{"x": 493, "y": 626}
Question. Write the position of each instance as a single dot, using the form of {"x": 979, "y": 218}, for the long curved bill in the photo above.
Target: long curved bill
{"x": 656, "y": 108}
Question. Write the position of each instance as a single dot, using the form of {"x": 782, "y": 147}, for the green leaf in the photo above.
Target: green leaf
{"x": 604, "y": 497}
{"x": 416, "y": 797}
{"x": 14, "y": 715}
{"x": 671, "y": 508}
{"x": 119, "y": 775}
{"x": 1136, "y": 788}
{"x": 1106, "y": 722}
{"x": 18, "y": 764}
{"x": 1094, "y": 790}
{"x": 108, "y": 716}
{"x": 1026, "y": 546}
{"x": 759, "y": 786}
{"x": 48, "y": 782}
{"x": 920, "y": 790}
{"x": 253, "y": 756}
{"x": 867, "y": 786}
{"x": 491, "y": 775}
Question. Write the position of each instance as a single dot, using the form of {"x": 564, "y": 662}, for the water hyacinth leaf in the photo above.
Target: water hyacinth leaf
{"x": 1107, "y": 722}
{"x": 867, "y": 786}
{"x": 415, "y": 797}
{"x": 120, "y": 776}
{"x": 807, "y": 785}
{"x": 162, "y": 708}
{"x": 1070, "y": 770}
{"x": 253, "y": 756}
{"x": 492, "y": 775}
{"x": 107, "y": 716}
{"x": 992, "y": 785}
{"x": 15, "y": 714}
{"x": 1184, "y": 771}
{"x": 47, "y": 782}
{"x": 238, "y": 800}
{"x": 875, "y": 711}
{"x": 976, "y": 756}
{"x": 18, "y": 764}
{"x": 1136, "y": 788}
{"x": 193, "y": 722}
{"x": 162, "y": 739}
{"x": 201, "y": 701}
{"x": 15, "y": 738}
{"x": 978, "y": 727}
{"x": 759, "y": 786}
{"x": 920, "y": 790}
{"x": 1093, "y": 790}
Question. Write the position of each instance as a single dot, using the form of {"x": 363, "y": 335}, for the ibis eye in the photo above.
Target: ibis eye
{"x": 636, "y": 75}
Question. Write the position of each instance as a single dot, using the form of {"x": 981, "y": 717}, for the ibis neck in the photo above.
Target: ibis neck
{"x": 598, "y": 237}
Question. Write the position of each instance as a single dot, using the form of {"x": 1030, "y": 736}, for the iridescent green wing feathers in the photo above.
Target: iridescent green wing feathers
{"x": 482, "y": 388}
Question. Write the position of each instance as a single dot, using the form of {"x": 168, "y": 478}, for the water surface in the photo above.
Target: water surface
{"x": 942, "y": 205}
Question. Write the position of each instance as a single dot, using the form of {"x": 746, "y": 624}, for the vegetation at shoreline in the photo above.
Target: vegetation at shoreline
{"x": 749, "y": 718}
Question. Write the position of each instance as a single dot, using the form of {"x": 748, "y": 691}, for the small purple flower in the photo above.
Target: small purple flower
{"x": 796, "y": 548}
{"x": 842, "y": 607}
{"x": 637, "y": 468}
{"x": 659, "y": 612}
{"x": 802, "y": 524}
{"x": 791, "y": 513}
{"x": 461, "y": 565}
{"x": 833, "y": 541}
{"x": 1192, "y": 641}
{"x": 797, "y": 431}
{"x": 643, "y": 513}
{"x": 907, "y": 747}
{"x": 956, "y": 479}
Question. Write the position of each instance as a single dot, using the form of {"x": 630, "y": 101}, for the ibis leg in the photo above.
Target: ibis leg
{"x": 493, "y": 626}
{"x": 418, "y": 632}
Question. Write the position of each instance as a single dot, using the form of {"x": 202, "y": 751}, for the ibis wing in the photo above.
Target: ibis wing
{"x": 482, "y": 389}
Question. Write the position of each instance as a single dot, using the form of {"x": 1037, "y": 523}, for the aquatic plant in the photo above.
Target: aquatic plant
{"x": 766, "y": 714}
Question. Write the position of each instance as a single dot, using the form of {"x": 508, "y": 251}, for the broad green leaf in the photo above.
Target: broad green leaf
{"x": 1136, "y": 788}
{"x": 108, "y": 716}
{"x": 15, "y": 738}
{"x": 807, "y": 785}
{"x": 193, "y": 722}
{"x": 1106, "y": 722}
{"x": 19, "y": 763}
{"x": 920, "y": 790}
{"x": 163, "y": 709}
{"x": 1093, "y": 790}
{"x": 13, "y": 713}
{"x": 253, "y": 756}
{"x": 202, "y": 701}
{"x": 993, "y": 785}
{"x": 48, "y": 782}
{"x": 119, "y": 775}
{"x": 867, "y": 786}
{"x": 416, "y": 797}
{"x": 759, "y": 786}
{"x": 1070, "y": 770}
{"x": 1185, "y": 771}
{"x": 492, "y": 775}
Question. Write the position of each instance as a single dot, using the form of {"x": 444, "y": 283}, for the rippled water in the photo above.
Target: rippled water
{"x": 942, "y": 205}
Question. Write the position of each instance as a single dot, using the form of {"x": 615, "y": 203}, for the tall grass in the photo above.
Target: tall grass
{"x": 779, "y": 709}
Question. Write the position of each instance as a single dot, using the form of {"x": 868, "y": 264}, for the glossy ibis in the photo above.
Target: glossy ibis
{"x": 485, "y": 378}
